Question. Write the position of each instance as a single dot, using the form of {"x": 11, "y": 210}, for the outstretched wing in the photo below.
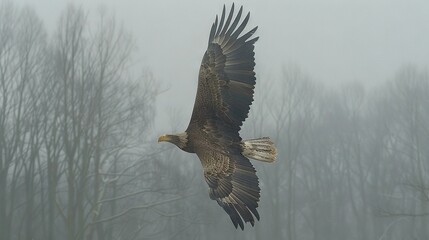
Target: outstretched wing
{"x": 226, "y": 78}
{"x": 233, "y": 184}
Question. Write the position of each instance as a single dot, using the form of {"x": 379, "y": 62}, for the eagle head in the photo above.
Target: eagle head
{"x": 179, "y": 139}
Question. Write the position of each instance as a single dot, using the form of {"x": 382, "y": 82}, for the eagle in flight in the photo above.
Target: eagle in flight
{"x": 226, "y": 84}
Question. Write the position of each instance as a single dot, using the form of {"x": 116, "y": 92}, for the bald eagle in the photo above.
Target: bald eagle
{"x": 225, "y": 92}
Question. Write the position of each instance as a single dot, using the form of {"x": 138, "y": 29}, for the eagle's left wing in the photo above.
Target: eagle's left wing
{"x": 233, "y": 184}
{"x": 226, "y": 78}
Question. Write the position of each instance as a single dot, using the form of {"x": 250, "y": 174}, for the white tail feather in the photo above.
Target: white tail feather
{"x": 261, "y": 149}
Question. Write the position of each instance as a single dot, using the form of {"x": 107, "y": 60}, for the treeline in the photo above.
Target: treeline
{"x": 74, "y": 117}
{"x": 353, "y": 162}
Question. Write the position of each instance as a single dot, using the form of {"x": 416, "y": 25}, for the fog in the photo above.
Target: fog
{"x": 86, "y": 87}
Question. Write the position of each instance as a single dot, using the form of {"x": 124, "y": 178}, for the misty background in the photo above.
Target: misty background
{"x": 86, "y": 87}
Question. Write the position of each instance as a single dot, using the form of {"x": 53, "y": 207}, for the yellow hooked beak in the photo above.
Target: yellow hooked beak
{"x": 163, "y": 138}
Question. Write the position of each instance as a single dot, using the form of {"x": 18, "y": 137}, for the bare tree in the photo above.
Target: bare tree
{"x": 21, "y": 51}
{"x": 407, "y": 146}
{"x": 289, "y": 111}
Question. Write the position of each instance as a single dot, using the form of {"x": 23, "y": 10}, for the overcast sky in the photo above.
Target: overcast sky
{"x": 333, "y": 41}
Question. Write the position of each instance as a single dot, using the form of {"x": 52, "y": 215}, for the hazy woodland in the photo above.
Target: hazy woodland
{"x": 80, "y": 111}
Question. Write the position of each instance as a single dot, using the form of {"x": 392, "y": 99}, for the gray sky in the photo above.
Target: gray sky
{"x": 333, "y": 41}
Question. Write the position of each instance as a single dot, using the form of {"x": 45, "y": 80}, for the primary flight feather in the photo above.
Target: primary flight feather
{"x": 225, "y": 92}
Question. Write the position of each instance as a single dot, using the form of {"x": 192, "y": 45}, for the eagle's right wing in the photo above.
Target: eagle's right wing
{"x": 233, "y": 184}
